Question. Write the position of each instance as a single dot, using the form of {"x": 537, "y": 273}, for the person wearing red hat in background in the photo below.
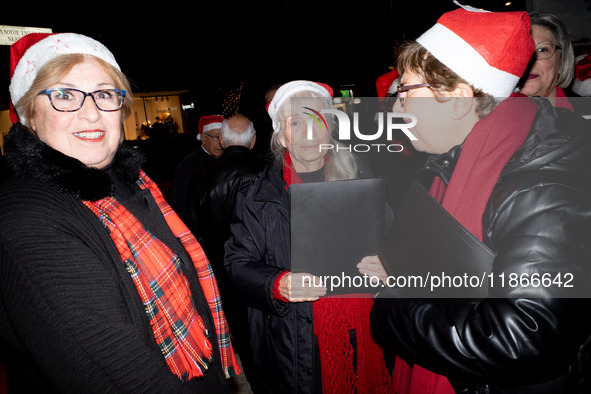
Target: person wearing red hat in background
{"x": 387, "y": 84}
{"x": 301, "y": 343}
{"x": 582, "y": 83}
{"x": 514, "y": 172}
{"x": 212, "y": 193}
{"x": 552, "y": 66}
{"x": 102, "y": 287}
{"x": 209, "y": 134}
{"x": 204, "y": 154}
{"x": 404, "y": 165}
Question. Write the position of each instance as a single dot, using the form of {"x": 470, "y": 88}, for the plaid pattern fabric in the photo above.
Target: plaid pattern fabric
{"x": 155, "y": 270}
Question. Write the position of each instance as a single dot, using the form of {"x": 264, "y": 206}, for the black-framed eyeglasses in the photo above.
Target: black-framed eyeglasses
{"x": 70, "y": 100}
{"x": 408, "y": 88}
{"x": 545, "y": 50}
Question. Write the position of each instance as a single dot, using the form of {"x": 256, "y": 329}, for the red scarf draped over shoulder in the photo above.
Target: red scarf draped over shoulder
{"x": 486, "y": 151}
{"x": 334, "y": 318}
{"x": 155, "y": 270}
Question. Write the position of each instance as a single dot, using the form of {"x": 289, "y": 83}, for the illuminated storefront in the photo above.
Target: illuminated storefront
{"x": 171, "y": 108}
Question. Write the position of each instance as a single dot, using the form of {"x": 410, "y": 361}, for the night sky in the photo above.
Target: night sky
{"x": 211, "y": 48}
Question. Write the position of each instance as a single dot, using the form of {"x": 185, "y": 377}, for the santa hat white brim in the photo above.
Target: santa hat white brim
{"x": 212, "y": 126}
{"x": 288, "y": 90}
{"x": 582, "y": 88}
{"x": 451, "y": 50}
{"x": 47, "y": 49}
{"x": 208, "y": 127}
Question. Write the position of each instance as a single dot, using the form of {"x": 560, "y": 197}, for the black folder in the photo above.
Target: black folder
{"x": 333, "y": 226}
{"x": 424, "y": 241}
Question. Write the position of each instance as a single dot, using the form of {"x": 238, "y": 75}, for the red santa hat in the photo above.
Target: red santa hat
{"x": 289, "y": 89}
{"x": 209, "y": 122}
{"x": 582, "y": 83}
{"x": 34, "y": 50}
{"x": 490, "y": 50}
{"x": 387, "y": 83}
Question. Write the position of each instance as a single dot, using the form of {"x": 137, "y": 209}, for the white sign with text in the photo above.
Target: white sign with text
{"x": 11, "y": 34}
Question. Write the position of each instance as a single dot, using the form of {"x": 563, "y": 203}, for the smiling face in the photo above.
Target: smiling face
{"x": 543, "y": 76}
{"x": 90, "y": 135}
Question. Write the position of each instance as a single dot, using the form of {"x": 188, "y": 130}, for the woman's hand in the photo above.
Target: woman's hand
{"x": 301, "y": 287}
{"x": 372, "y": 266}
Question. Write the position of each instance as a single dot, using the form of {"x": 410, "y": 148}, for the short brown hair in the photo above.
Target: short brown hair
{"x": 416, "y": 58}
{"x": 56, "y": 69}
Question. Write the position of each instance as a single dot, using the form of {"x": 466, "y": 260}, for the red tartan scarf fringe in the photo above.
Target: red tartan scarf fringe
{"x": 155, "y": 270}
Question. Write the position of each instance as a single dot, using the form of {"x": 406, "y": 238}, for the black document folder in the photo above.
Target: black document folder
{"x": 432, "y": 253}
{"x": 333, "y": 226}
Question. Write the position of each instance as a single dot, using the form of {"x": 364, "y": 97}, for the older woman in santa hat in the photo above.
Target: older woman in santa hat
{"x": 301, "y": 343}
{"x": 552, "y": 67}
{"x": 514, "y": 172}
{"x": 103, "y": 288}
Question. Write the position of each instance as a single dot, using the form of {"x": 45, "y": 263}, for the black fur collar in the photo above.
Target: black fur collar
{"x": 28, "y": 157}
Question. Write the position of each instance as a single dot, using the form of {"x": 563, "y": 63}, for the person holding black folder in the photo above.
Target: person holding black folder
{"x": 514, "y": 172}
{"x": 301, "y": 343}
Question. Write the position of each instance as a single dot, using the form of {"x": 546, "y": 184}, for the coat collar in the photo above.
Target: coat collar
{"x": 30, "y": 158}
{"x": 554, "y": 132}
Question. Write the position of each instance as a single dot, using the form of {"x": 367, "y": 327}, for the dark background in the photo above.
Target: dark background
{"x": 212, "y": 48}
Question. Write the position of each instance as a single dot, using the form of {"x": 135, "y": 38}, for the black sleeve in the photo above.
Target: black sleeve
{"x": 245, "y": 262}
{"x": 66, "y": 304}
{"x": 522, "y": 334}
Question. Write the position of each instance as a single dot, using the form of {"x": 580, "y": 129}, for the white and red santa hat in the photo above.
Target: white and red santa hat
{"x": 490, "y": 50}
{"x": 387, "y": 83}
{"x": 209, "y": 122}
{"x": 582, "y": 83}
{"x": 289, "y": 89}
{"x": 34, "y": 50}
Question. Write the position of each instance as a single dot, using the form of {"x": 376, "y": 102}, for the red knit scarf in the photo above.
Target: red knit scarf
{"x": 155, "y": 270}
{"x": 334, "y": 317}
{"x": 486, "y": 151}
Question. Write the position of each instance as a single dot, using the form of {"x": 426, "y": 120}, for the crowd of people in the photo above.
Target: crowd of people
{"x": 108, "y": 286}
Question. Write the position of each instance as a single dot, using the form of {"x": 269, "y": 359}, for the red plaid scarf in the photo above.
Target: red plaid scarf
{"x": 155, "y": 270}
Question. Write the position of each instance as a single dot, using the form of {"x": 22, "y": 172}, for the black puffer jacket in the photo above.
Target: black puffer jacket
{"x": 538, "y": 220}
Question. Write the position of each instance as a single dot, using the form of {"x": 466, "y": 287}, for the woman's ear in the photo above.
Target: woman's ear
{"x": 463, "y": 100}
{"x": 31, "y": 125}
{"x": 282, "y": 141}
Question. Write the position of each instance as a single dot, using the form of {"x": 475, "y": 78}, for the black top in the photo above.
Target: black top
{"x": 71, "y": 319}
{"x": 312, "y": 176}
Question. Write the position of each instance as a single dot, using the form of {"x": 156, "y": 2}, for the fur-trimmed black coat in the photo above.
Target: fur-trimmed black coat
{"x": 70, "y": 316}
